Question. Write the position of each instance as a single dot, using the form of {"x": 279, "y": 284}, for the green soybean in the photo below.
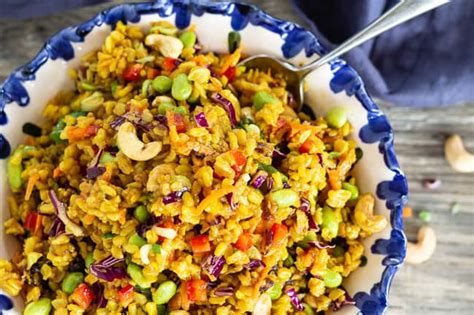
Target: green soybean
{"x": 261, "y": 98}
{"x": 332, "y": 279}
{"x": 233, "y": 40}
{"x": 275, "y": 291}
{"x": 88, "y": 87}
{"x": 164, "y": 107}
{"x": 162, "y": 309}
{"x": 162, "y": 84}
{"x": 141, "y": 214}
{"x": 338, "y": 251}
{"x": 89, "y": 260}
{"x": 14, "y": 170}
{"x": 108, "y": 235}
{"x": 330, "y": 221}
{"x": 40, "y": 307}
{"x": 188, "y": 39}
{"x": 135, "y": 239}
{"x": 71, "y": 281}
{"x": 164, "y": 293}
{"x": 146, "y": 87}
{"x": 181, "y": 88}
{"x": 309, "y": 237}
{"x": 106, "y": 157}
{"x": 56, "y": 132}
{"x": 156, "y": 248}
{"x": 308, "y": 310}
{"x": 135, "y": 272}
{"x": 336, "y": 117}
{"x": 352, "y": 189}
{"x": 289, "y": 261}
{"x": 285, "y": 197}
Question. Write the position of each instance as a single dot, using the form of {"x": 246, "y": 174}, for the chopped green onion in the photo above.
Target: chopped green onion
{"x": 425, "y": 216}
{"x": 233, "y": 40}
{"x": 108, "y": 235}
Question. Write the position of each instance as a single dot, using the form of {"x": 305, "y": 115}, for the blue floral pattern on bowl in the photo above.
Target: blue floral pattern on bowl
{"x": 295, "y": 41}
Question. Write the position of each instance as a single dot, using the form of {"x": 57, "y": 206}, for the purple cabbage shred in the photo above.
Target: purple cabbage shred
{"x": 99, "y": 298}
{"x": 224, "y": 291}
{"x": 117, "y": 122}
{"x": 337, "y": 305}
{"x": 94, "y": 172}
{"x": 228, "y": 106}
{"x": 254, "y": 264}
{"x": 294, "y": 299}
{"x": 174, "y": 196}
{"x": 277, "y": 156}
{"x": 213, "y": 265}
{"x": 233, "y": 205}
{"x": 201, "y": 120}
{"x": 319, "y": 245}
{"x": 306, "y": 208}
{"x": 267, "y": 285}
{"x": 106, "y": 269}
{"x": 57, "y": 227}
{"x": 151, "y": 221}
{"x": 259, "y": 179}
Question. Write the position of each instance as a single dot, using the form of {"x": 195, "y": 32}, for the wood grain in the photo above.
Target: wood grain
{"x": 443, "y": 284}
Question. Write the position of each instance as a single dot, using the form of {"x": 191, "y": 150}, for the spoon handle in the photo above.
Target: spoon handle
{"x": 401, "y": 12}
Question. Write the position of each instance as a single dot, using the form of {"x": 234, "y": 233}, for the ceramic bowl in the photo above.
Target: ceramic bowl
{"x": 26, "y": 91}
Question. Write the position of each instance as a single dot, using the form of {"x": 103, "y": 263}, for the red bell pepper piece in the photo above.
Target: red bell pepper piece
{"x": 278, "y": 234}
{"x": 306, "y": 146}
{"x": 244, "y": 242}
{"x": 33, "y": 222}
{"x": 132, "y": 73}
{"x": 169, "y": 64}
{"x": 82, "y": 296}
{"x": 196, "y": 290}
{"x": 230, "y": 73}
{"x": 200, "y": 244}
{"x": 126, "y": 295}
{"x": 152, "y": 73}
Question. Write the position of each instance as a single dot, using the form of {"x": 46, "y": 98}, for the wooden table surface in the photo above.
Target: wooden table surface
{"x": 443, "y": 284}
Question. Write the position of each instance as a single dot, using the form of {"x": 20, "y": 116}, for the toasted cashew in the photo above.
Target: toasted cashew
{"x": 263, "y": 305}
{"x": 132, "y": 147}
{"x": 364, "y": 215}
{"x": 422, "y": 250}
{"x": 168, "y": 46}
{"x": 457, "y": 155}
{"x": 162, "y": 169}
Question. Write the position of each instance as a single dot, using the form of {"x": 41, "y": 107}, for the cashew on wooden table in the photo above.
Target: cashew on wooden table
{"x": 457, "y": 156}
{"x": 424, "y": 248}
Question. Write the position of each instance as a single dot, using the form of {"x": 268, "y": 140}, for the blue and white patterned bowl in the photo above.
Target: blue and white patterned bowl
{"x": 26, "y": 91}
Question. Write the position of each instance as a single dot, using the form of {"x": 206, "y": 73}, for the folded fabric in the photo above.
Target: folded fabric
{"x": 427, "y": 61}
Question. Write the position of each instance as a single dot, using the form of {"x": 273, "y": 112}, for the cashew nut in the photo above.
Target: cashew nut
{"x": 168, "y": 46}
{"x": 162, "y": 169}
{"x": 424, "y": 248}
{"x": 364, "y": 215}
{"x": 263, "y": 305}
{"x": 132, "y": 147}
{"x": 457, "y": 155}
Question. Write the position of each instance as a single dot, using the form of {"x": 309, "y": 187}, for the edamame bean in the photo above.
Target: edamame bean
{"x": 162, "y": 84}
{"x": 164, "y": 293}
{"x": 275, "y": 291}
{"x": 71, "y": 281}
{"x": 261, "y": 98}
{"x": 285, "y": 197}
{"x": 308, "y": 310}
{"x": 181, "y": 88}
{"x": 164, "y": 107}
{"x": 40, "y": 307}
{"x": 14, "y": 171}
{"x": 146, "y": 87}
{"x": 309, "y": 237}
{"x": 332, "y": 279}
{"x": 233, "y": 41}
{"x": 106, "y": 157}
{"x": 338, "y": 251}
{"x": 330, "y": 222}
{"x": 156, "y": 248}
{"x": 289, "y": 261}
{"x": 161, "y": 310}
{"x": 352, "y": 189}
{"x": 88, "y": 87}
{"x": 135, "y": 239}
{"x": 336, "y": 117}
{"x": 188, "y": 39}
{"x": 89, "y": 260}
{"x": 141, "y": 214}
{"x": 135, "y": 272}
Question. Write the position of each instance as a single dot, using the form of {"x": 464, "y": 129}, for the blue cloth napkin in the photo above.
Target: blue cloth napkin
{"x": 427, "y": 61}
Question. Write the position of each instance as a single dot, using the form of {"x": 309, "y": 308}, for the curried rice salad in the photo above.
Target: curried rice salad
{"x": 171, "y": 181}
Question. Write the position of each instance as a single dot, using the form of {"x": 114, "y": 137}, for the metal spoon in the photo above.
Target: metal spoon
{"x": 403, "y": 11}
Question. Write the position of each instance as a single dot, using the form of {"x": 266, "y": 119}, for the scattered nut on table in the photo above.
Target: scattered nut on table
{"x": 424, "y": 248}
{"x": 457, "y": 156}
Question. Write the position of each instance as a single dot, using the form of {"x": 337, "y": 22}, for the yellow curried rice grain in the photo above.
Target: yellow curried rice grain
{"x": 220, "y": 191}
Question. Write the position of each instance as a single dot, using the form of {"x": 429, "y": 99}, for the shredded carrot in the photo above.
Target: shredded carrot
{"x": 231, "y": 60}
{"x": 407, "y": 212}
{"x": 29, "y": 140}
{"x": 31, "y": 184}
{"x": 213, "y": 196}
{"x": 57, "y": 172}
{"x": 77, "y": 133}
